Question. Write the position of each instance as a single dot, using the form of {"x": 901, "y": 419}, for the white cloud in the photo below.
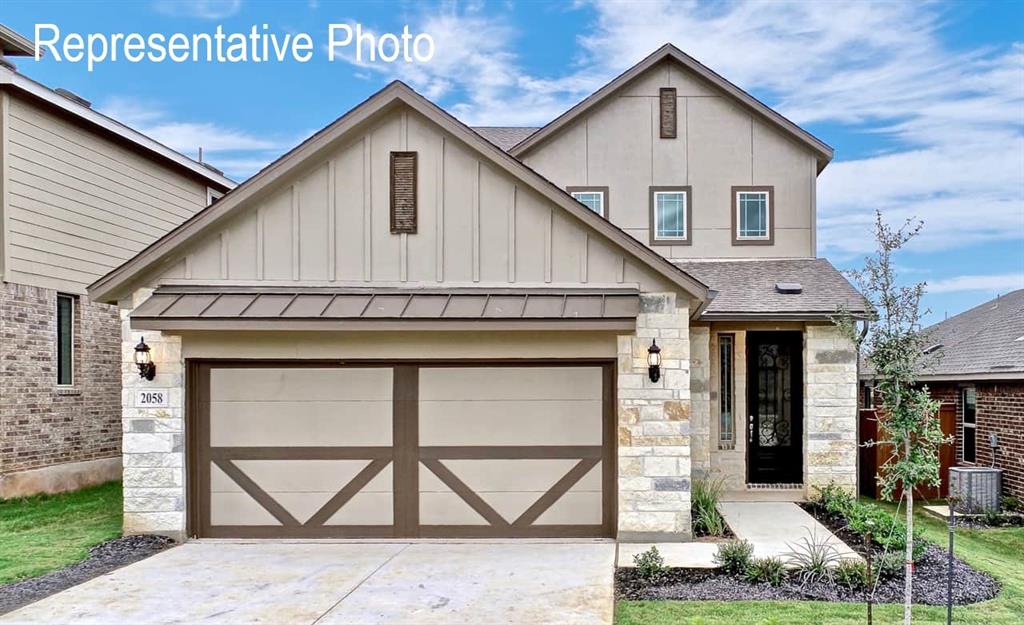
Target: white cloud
{"x": 992, "y": 283}
{"x": 220, "y": 144}
{"x": 203, "y": 9}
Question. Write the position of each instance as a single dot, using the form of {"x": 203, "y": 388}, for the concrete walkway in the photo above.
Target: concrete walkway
{"x": 771, "y": 526}
{"x": 355, "y": 583}
{"x": 774, "y": 527}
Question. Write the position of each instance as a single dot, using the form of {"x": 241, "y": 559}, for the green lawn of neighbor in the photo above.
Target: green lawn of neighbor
{"x": 46, "y": 532}
{"x": 998, "y": 551}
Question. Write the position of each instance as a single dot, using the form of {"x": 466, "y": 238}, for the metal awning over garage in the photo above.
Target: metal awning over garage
{"x": 328, "y": 308}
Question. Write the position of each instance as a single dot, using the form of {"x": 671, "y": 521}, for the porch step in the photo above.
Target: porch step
{"x": 773, "y": 526}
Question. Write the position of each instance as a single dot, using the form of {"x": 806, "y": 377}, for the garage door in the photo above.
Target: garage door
{"x": 382, "y": 450}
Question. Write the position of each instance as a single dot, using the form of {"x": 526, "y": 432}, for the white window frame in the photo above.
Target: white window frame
{"x": 71, "y": 342}
{"x": 213, "y": 194}
{"x": 972, "y": 426}
{"x": 600, "y": 192}
{"x": 661, "y": 238}
{"x": 767, "y": 217}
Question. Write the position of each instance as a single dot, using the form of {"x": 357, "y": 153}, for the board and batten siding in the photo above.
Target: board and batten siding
{"x": 328, "y": 222}
{"x": 718, "y": 145}
{"x": 77, "y": 204}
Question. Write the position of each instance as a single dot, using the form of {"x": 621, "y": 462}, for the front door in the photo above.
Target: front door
{"x": 775, "y": 407}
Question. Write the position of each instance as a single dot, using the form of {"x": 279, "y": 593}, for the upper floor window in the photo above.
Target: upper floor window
{"x": 65, "y": 339}
{"x": 670, "y": 215}
{"x": 594, "y": 198}
{"x": 969, "y": 401}
{"x": 752, "y": 215}
{"x": 212, "y": 195}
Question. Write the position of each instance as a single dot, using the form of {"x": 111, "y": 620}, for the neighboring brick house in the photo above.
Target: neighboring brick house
{"x": 407, "y": 327}
{"x": 979, "y": 368}
{"x": 79, "y": 194}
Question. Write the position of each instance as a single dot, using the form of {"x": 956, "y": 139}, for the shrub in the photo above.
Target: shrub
{"x": 813, "y": 558}
{"x": 852, "y": 573}
{"x": 704, "y": 507}
{"x": 650, "y": 564}
{"x": 734, "y": 556}
{"x": 1011, "y": 504}
{"x": 888, "y": 565}
{"x": 835, "y": 499}
{"x": 766, "y": 571}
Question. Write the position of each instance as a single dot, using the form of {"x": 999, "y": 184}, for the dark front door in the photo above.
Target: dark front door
{"x": 775, "y": 407}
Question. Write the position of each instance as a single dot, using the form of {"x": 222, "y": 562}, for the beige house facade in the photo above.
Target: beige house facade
{"x": 79, "y": 195}
{"x": 406, "y": 327}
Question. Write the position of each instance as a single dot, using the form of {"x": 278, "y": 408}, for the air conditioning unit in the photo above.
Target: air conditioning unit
{"x": 975, "y": 489}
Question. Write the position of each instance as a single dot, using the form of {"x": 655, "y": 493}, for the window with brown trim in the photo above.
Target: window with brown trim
{"x": 726, "y": 395}
{"x": 753, "y": 215}
{"x": 403, "y": 192}
{"x": 594, "y": 198}
{"x": 65, "y": 339}
{"x": 667, "y": 98}
{"x": 671, "y": 209}
{"x": 969, "y": 431}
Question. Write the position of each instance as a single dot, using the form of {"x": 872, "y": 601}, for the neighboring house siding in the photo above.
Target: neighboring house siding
{"x": 76, "y": 204}
{"x": 719, "y": 145}
{"x": 1000, "y": 410}
{"x": 475, "y": 225}
{"x": 39, "y": 426}
{"x": 79, "y": 204}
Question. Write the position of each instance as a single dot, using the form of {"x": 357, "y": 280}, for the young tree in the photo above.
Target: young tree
{"x": 894, "y": 350}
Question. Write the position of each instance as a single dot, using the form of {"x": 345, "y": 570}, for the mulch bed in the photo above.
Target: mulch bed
{"x": 103, "y": 558}
{"x": 969, "y": 584}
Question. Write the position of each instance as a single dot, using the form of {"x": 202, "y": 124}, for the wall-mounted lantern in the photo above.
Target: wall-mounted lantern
{"x": 654, "y": 361}
{"x": 144, "y": 361}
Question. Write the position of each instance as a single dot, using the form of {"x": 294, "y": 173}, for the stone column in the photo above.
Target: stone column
{"x": 654, "y": 425}
{"x": 830, "y": 420}
{"x": 153, "y": 444}
{"x": 700, "y": 400}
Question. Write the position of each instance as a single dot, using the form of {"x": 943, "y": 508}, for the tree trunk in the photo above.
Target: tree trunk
{"x": 908, "y": 583}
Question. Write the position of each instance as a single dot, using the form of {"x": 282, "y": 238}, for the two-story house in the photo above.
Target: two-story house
{"x": 409, "y": 327}
{"x": 79, "y": 195}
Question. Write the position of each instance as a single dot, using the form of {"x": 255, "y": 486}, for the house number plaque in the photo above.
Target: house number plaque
{"x": 150, "y": 398}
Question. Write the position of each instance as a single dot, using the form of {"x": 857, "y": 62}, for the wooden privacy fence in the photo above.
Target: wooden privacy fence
{"x": 873, "y": 457}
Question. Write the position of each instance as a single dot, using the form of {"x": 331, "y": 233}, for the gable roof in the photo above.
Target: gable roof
{"x": 669, "y": 51}
{"x": 107, "y": 288}
{"x": 746, "y": 288}
{"x": 19, "y": 83}
{"x": 986, "y": 341}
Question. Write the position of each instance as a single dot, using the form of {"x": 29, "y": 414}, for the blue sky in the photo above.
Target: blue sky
{"x": 923, "y": 102}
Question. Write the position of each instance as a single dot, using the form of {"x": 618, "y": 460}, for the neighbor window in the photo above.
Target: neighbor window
{"x": 969, "y": 400}
{"x": 752, "y": 215}
{"x": 725, "y": 399}
{"x": 65, "y": 339}
{"x": 594, "y": 198}
{"x": 212, "y": 195}
{"x": 670, "y": 215}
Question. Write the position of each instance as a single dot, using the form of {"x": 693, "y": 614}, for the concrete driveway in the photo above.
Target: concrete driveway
{"x": 353, "y": 583}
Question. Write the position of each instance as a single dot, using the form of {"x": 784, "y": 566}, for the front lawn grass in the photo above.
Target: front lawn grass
{"x": 997, "y": 551}
{"x": 46, "y": 532}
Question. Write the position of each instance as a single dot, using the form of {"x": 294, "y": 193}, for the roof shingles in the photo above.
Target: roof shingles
{"x": 987, "y": 339}
{"x": 747, "y": 287}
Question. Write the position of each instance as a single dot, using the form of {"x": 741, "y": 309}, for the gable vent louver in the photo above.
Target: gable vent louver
{"x": 403, "y": 193}
{"x": 667, "y": 97}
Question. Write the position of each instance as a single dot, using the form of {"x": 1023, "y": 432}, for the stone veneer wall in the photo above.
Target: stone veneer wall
{"x": 43, "y": 425}
{"x": 830, "y": 419}
{"x": 154, "y": 445}
{"x": 700, "y": 401}
{"x": 654, "y": 425}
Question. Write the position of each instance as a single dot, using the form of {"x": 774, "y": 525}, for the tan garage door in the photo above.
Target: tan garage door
{"x": 380, "y": 450}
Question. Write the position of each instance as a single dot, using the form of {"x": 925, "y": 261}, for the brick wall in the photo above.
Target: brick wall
{"x": 1000, "y": 409}
{"x": 39, "y": 424}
